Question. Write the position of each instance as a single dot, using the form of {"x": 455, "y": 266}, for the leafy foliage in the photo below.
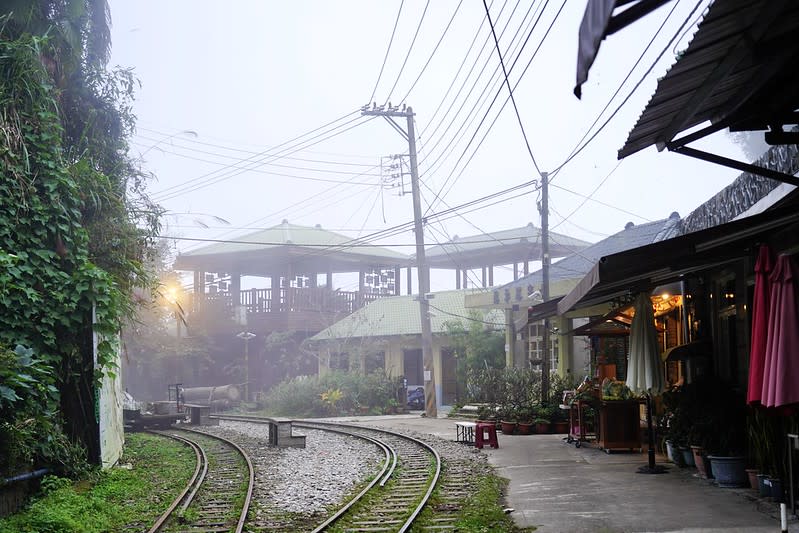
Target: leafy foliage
{"x": 332, "y": 394}
{"x": 74, "y": 219}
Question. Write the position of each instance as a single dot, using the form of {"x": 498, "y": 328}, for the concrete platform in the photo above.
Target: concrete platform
{"x": 556, "y": 487}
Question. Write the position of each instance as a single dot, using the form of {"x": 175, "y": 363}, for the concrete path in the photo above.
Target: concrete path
{"x": 556, "y": 487}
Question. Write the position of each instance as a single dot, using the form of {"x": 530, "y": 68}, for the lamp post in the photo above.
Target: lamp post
{"x": 246, "y": 335}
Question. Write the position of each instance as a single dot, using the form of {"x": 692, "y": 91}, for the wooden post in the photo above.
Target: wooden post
{"x": 397, "y": 281}
{"x": 484, "y": 277}
{"x": 457, "y": 278}
{"x": 490, "y": 275}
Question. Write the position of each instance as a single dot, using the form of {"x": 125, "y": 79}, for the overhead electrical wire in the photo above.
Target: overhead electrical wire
{"x": 410, "y": 49}
{"x": 635, "y": 88}
{"x": 510, "y": 89}
{"x": 465, "y": 100}
{"x": 292, "y": 176}
{"x": 178, "y": 143}
{"x": 220, "y": 175}
{"x": 588, "y": 197}
{"x": 442, "y": 193}
{"x": 601, "y": 202}
{"x": 388, "y": 49}
{"x": 574, "y": 151}
{"x": 433, "y": 53}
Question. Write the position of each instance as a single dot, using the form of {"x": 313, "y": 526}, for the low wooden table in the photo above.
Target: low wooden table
{"x": 464, "y": 432}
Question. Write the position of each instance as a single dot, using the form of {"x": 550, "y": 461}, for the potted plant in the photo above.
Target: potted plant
{"x": 543, "y": 418}
{"x": 560, "y": 420}
{"x": 507, "y": 419}
{"x": 726, "y": 437}
{"x": 525, "y": 423}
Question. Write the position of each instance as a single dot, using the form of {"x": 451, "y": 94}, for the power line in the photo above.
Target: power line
{"x": 292, "y": 176}
{"x": 433, "y": 53}
{"x": 410, "y": 48}
{"x": 463, "y": 153}
{"x": 219, "y": 174}
{"x": 590, "y": 195}
{"x": 471, "y": 319}
{"x": 388, "y": 49}
{"x": 601, "y": 202}
{"x": 231, "y": 149}
{"x": 510, "y": 90}
{"x": 196, "y": 183}
{"x": 635, "y": 88}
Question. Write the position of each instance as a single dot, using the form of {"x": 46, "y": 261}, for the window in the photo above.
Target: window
{"x": 536, "y": 349}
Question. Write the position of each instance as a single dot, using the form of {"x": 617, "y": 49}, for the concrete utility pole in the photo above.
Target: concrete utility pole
{"x": 545, "y": 282}
{"x": 388, "y": 112}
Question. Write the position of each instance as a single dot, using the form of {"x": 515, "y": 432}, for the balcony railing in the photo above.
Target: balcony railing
{"x": 293, "y": 299}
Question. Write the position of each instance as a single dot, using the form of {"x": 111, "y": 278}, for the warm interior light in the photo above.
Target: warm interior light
{"x": 665, "y": 296}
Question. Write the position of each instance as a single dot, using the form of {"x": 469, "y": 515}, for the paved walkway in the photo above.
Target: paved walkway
{"x": 559, "y": 488}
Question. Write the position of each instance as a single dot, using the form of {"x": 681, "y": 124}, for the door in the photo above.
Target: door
{"x": 449, "y": 377}
{"x": 412, "y": 365}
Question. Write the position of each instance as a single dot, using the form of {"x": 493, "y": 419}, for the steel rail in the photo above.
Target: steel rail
{"x": 201, "y": 463}
{"x": 431, "y": 486}
{"x": 245, "y": 507}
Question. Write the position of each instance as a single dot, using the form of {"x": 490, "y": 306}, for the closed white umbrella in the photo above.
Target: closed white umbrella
{"x": 644, "y": 368}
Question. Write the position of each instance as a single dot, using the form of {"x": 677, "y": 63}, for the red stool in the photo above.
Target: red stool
{"x": 480, "y": 432}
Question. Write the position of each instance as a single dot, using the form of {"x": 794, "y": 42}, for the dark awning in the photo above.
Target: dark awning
{"x": 599, "y": 21}
{"x": 646, "y": 267}
{"x": 738, "y": 72}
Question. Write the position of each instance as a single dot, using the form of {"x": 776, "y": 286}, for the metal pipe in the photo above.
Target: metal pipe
{"x": 26, "y": 476}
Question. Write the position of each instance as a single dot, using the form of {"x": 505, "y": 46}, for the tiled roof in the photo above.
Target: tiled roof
{"x": 399, "y": 315}
{"x": 577, "y": 265}
{"x": 300, "y": 236}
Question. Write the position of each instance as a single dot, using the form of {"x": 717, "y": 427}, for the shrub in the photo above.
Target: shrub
{"x": 332, "y": 394}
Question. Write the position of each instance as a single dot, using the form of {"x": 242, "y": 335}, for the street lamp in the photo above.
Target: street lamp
{"x": 246, "y": 335}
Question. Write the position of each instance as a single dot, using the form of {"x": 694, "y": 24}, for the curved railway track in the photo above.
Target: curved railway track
{"x": 399, "y": 490}
{"x": 404, "y": 485}
{"x": 212, "y": 500}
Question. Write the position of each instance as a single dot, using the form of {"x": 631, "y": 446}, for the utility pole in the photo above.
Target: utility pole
{"x": 545, "y": 282}
{"x": 388, "y": 113}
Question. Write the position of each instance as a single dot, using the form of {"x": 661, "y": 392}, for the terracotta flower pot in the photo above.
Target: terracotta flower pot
{"x": 524, "y": 428}
{"x": 560, "y": 427}
{"x": 507, "y": 427}
{"x": 542, "y": 427}
{"x": 752, "y": 474}
{"x": 701, "y": 462}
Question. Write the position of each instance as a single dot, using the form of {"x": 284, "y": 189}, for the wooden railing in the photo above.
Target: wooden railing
{"x": 292, "y": 299}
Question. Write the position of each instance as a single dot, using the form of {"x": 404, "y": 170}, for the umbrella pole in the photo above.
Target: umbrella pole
{"x": 651, "y": 467}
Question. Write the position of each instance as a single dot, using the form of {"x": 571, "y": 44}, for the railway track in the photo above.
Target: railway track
{"x": 217, "y": 497}
{"x": 396, "y": 497}
{"x": 399, "y": 489}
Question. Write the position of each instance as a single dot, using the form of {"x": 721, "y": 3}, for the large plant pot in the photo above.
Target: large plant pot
{"x": 560, "y": 427}
{"x": 507, "y": 427}
{"x": 687, "y": 456}
{"x": 670, "y": 451}
{"x": 776, "y": 491}
{"x": 542, "y": 427}
{"x": 729, "y": 471}
{"x": 752, "y": 474}
{"x": 524, "y": 428}
{"x": 763, "y": 486}
{"x": 701, "y": 462}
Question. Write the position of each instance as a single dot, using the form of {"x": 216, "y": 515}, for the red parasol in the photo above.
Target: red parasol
{"x": 781, "y": 370}
{"x": 760, "y": 313}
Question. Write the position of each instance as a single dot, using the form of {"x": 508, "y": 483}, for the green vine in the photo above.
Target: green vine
{"x": 75, "y": 224}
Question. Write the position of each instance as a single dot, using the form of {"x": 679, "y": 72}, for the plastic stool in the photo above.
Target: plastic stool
{"x": 480, "y": 435}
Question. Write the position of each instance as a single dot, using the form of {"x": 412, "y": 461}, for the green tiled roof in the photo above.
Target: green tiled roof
{"x": 399, "y": 315}
{"x": 301, "y": 236}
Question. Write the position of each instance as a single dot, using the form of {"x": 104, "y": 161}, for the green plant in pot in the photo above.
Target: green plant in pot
{"x": 507, "y": 419}
{"x": 525, "y": 415}
{"x": 543, "y": 418}
{"x": 726, "y": 438}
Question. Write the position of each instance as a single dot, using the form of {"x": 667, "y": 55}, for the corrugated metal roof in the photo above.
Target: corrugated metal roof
{"x": 399, "y": 315}
{"x": 739, "y": 66}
